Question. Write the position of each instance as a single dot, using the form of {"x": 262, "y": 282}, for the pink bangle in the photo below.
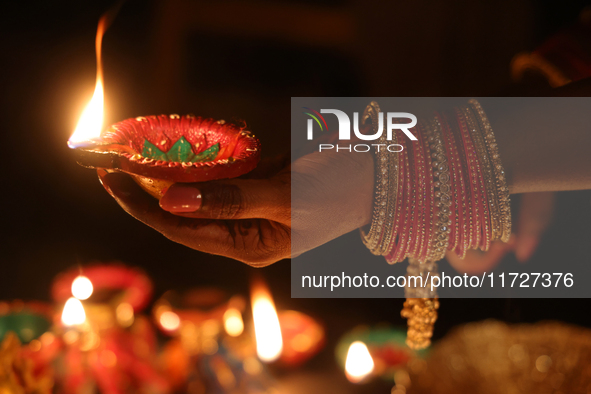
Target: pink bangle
{"x": 407, "y": 204}
{"x": 433, "y": 216}
{"x": 424, "y": 184}
{"x": 454, "y": 185}
{"x": 413, "y": 234}
{"x": 398, "y": 214}
{"x": 465, "y": 213}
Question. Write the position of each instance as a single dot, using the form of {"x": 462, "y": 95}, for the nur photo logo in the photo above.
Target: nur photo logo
{"x": 344, "y": 130}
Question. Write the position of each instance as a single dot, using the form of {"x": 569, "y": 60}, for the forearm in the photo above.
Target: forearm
{"x": 544, "y": 143}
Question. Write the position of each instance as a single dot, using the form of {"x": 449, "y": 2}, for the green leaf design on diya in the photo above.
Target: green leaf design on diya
{"x": 152, "y": 152}
{"x": 208, "y": 155}
{"x": 180, "y": 152}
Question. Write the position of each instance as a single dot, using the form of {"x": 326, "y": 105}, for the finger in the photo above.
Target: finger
{"x": 205, "y": 235}
{"x": 477, "y": 262}
{"x": 535, "y": 215}
{"x": 231, "y": 199}
{"x": 255, "y": 242}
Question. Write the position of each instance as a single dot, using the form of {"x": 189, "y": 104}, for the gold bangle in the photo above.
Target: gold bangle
{"x": 391, "y": 195}
{"x": 372, "y": 238}
{"x": 441, "y": 179}
{"x": 501, "y": 181}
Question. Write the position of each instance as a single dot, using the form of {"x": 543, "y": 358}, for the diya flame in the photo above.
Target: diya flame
{"x": 269, "y": 342}
{"x": 91, "y": 121}
{"x": 359, "y": 363}
{"x": 73, "y": 313}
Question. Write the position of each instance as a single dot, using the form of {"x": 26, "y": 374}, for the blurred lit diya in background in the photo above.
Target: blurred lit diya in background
{"x": 303, "y": 337}
{"x": 26, "y": 347}
{"x": 107, "y": 344}
{"x": 197, "y": 307}
{"x": 20, "y": 370}
{"x": 158, "y": 151}
{"x": 128, "y": 286}
{"x": 28, "y": 320}
{"x": 367, "y": 352}
{"x": 210, "y": 352}
{"x": 287, "y": 337}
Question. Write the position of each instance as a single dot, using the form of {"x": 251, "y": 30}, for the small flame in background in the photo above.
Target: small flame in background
{"x": 82, "y": 287}
{"x": 91, "y": 121}
{"x": 266, "y": 323}
{"x": 359, "y": 363}
{"x": 233, "y": 323}
{"x": 73, "y": 313}
{"x": 170, "y": 321}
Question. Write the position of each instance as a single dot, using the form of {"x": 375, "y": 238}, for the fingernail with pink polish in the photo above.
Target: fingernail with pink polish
{"x": 181, "y": 198}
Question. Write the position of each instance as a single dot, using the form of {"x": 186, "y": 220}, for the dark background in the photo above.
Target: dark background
{"x": 242, "y": 60}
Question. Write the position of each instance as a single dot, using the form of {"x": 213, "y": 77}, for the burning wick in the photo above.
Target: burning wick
{"x": 88, "y": 130}
{"x": 359, "y": 363}
{"x": 266, "y": 323}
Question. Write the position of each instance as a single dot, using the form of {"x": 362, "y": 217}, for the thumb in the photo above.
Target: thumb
{"x": 535, "y": 215}
{"x": 230, "y": 199}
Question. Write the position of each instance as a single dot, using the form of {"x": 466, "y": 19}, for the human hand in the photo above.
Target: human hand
{"x": 535, "y": 215}
{"x": 259, "y": 219}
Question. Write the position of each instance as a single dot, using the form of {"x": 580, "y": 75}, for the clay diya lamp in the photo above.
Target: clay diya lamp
{"x": 387, "y": 349}
{"x": 302, "y": 336}
{"x": 124, "y": 284}
{"x": 157, "y": 151}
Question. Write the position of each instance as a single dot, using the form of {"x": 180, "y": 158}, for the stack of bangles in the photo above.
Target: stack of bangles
{"x": 447, "y": 191}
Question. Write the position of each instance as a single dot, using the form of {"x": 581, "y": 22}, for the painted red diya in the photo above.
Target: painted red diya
{"x": 158, "y": 151}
